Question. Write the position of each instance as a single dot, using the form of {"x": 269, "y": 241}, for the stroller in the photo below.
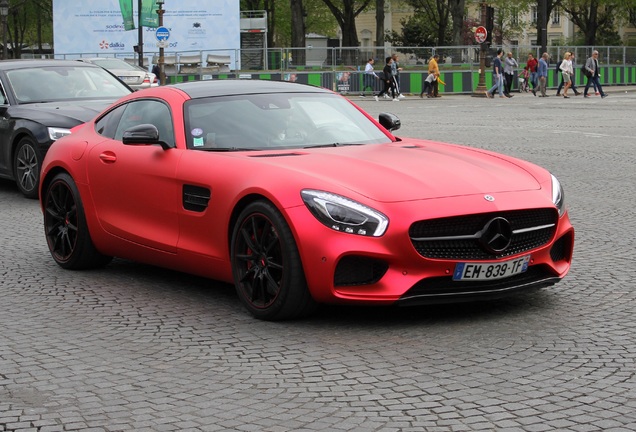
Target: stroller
{"x": 524, "y": 78}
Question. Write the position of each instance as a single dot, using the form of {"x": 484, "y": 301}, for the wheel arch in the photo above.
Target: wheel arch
{"x": 19, "y": 136}
{"x": 46, "y": 181}
{"x": 238, "y": 208}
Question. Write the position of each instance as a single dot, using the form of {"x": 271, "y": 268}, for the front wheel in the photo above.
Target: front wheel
{"x": 26, "y": 167}
{"x": 65, "y": 226}
{"x": 268, "y": 273}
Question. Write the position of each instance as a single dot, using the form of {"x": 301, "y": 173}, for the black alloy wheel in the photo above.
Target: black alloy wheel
{"x": 26, "y": 165}
{"x": 268, "y": 273}
{"x": 65, "y": 226}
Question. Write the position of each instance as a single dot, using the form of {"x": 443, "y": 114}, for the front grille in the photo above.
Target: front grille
{"x": 428, "y": 236}
{"x": 356, "y": 270}
{"x": 445, "y": 289}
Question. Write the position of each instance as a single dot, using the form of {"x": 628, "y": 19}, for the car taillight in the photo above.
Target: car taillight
{"x": 146, "y": 79}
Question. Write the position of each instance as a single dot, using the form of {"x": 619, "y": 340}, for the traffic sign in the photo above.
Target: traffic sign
{"x": 481, "y": 34}
{"x": 162, "y": 34}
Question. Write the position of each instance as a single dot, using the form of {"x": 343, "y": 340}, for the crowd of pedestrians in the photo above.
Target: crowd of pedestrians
{"x": 535, "y": 74}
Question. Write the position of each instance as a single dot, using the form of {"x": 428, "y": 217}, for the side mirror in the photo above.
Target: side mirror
{"x": 143, "y": 134}
{"x": 391, "y": 122}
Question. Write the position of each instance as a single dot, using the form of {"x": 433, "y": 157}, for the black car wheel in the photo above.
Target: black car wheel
{"x": 26, "y": 165}
{"x": 65, "y": 226}
{"x": 268, "y": 273}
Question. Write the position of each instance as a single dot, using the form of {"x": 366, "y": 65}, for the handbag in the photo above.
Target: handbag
{"x": 585, "y": 71}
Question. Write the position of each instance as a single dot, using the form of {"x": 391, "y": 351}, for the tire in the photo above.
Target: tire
{"x": 268, "y": 273}
{"x": 26, "y": 168}
{"x": 65, "y": 227}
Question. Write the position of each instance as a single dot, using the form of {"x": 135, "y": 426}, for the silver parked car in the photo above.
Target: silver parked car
{"x": 134, "y": 76}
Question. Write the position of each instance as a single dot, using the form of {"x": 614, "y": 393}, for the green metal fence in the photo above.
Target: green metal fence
{"x": 341, "y": 69}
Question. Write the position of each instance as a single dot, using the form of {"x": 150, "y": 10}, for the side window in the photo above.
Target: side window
{"x": 107, "y": 124}
{"x": 147, "y": 112}
{"x": 3, "y": 96}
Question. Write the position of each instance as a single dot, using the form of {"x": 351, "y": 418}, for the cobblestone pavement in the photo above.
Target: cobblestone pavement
{"x": 131, "y": 347}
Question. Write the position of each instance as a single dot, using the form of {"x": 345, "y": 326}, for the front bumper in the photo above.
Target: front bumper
{"x": 345, "y": 268}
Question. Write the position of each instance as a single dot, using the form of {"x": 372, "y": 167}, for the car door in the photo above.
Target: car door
{"x": 135, "y": 193}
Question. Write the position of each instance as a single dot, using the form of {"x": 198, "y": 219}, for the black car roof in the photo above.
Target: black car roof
{"x": 198, "y": 89}
{"x": 30, "y": 63}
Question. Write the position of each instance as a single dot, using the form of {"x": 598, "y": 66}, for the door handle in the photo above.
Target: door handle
{"x": 108, "y": 157}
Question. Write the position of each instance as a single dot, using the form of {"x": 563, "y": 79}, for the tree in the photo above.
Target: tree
{"x": 30, "y": 23}
{"x": 434, "y": 14}
{"x": 590, "y": 16}
{"x": 458, "y": 11}
{"x": 379, "y": 23}
{"x": 298, "y": 30}
{"x": 417, "y": 31}
{"x": 345, "y": 13}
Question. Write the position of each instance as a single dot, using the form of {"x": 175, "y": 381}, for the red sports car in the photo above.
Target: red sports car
{"x": 298, "y": 197}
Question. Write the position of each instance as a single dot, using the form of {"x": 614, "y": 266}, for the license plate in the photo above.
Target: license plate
{"x": 489, "y": 271}
{"x": 128, "y": 78}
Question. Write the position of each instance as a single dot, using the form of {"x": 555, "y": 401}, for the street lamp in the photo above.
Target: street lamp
{"x": 4, "y": 12}
{"x": 162, "y": 74}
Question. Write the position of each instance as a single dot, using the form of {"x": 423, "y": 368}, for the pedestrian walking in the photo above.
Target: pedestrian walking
{"x": 510, "y": 67}
{"x": 433, "y": 68}
{"x": 497, "y": 74}
{"x": 531, "y": 67}
{"x": 542, "y": 72}
{"x": 370, "y": 77}
{"x": 567, "y": 72}
{"x": 395, "y": 73}
{"x": 572, "y": 85}
{"x": 387, "y": 79}
{"x": 591, "y": 66}
{"x": 428, "y": 86}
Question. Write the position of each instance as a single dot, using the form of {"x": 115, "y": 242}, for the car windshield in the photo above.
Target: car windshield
{"x": 112, "y": 63}
{"x": 64, "y": 83}
{"x": 277, "y": 120}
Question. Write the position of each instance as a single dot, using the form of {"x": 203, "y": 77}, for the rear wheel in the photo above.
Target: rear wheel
{"x": 268, "y": 273}
{"x": 26, "y": 166}
{"x": 65, "y": 226}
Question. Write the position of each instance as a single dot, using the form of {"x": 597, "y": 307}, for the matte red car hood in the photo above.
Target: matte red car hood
{"x": 403, "y": 171}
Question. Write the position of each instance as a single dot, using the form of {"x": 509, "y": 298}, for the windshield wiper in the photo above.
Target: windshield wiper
{"x": 336, "y": 144}
{"x": 230, "y": 149}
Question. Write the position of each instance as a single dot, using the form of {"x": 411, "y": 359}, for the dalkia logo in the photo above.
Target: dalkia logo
{"x": 111, "y": 45}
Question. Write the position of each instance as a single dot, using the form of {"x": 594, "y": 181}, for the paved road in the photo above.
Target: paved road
{"x": 131, "y": 347}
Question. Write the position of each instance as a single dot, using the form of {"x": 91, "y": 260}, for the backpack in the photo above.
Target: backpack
{"x": 558, "y": 66}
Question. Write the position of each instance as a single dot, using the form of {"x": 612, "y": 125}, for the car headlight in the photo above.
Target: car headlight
{"x": 558, "y": 196}
{"x": 57, "y": 133}
{"x": 342, "y": 214}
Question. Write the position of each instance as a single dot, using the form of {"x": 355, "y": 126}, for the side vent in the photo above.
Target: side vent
{"x": 195, "y": 198}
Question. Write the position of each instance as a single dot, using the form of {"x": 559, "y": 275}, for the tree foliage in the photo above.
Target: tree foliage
{"x": 29, "y": 24}
{"x": 590, "y": 16}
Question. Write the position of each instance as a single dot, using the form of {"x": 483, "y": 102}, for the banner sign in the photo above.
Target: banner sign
{"x": 126, "y": 7}
{"x": 149, "y": 17}
{"x": 99, "y": 27}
